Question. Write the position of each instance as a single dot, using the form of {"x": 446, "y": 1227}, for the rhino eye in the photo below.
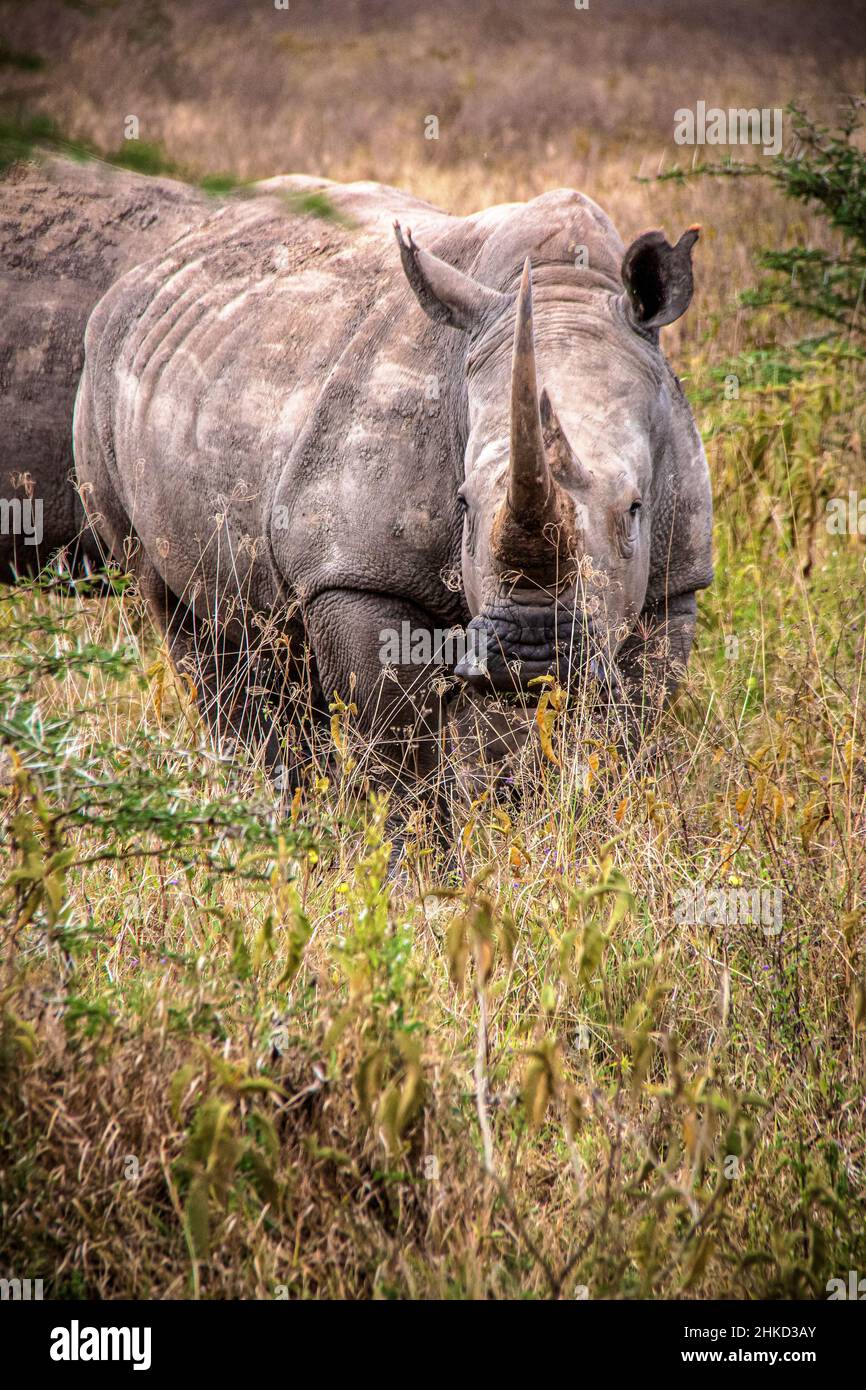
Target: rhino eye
{"x": 627, "y": 529}
{"x": 462, "y": 504}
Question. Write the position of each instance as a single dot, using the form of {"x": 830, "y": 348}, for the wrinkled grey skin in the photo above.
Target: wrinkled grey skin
{"x": 67, "y": 232}
{"x": 277, "y": 440}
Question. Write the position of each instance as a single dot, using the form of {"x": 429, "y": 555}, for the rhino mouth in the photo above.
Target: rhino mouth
{"x": 510, "y": 645}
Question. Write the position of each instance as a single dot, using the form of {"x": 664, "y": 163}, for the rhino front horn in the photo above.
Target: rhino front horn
{"x": 530, "y": 485}
{"x": 534, "y": 528}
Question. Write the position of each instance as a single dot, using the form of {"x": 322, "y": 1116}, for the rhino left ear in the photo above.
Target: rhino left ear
{"x": 445, "y": 294}
{"x": 658, "y": 278}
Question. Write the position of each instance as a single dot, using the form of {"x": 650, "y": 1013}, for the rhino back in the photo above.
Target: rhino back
{"x": 265, "y": 384}
{"x": 67, "y": 231}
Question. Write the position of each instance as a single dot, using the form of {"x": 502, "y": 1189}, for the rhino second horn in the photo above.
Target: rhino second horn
{"x": 530, "y": 485}
{"x": 564, "y": 462}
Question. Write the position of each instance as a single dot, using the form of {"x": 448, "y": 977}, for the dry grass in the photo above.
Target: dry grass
{"x": 527, "y": 1076}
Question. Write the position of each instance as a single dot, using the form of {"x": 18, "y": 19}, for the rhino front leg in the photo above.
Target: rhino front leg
{"x": 652, "y": 661}
{"x": 395, "y": 730}
{"x": 243, "y": 689}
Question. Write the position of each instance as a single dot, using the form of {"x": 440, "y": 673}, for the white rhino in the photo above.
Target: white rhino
{"x": 295, "y": 460}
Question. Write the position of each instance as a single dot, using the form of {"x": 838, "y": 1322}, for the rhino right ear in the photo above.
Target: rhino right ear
{"x": 658, "y": 278}
{"x": 445, "y": 294}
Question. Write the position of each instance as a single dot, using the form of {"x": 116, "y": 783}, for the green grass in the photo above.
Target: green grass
{"x": 31, "y": 137}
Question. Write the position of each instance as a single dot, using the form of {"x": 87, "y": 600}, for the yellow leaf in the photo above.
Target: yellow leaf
{"x": 545, "y": 719}
{"x": 699, "y": 1263}
{"x": 457, "y": 949}
{"x": 157, "y": 673}
{"x": 536, "y": 1095}
{"x": 341, "y": 714}
{"x": 690, "y": 1135}
{"x": 198, "y": 1218}
{"x": 368, "y": 1079}
{"x": 483, "y": 959}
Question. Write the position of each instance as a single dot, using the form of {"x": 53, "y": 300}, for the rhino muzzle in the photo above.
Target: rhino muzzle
{"x": 511, "y": 644}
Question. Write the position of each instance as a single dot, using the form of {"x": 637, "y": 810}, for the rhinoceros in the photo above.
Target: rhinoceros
{"x": 67, "y": 231}
{"x": 303, "y": 438}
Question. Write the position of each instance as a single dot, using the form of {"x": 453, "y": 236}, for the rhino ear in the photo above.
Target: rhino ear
{"x": 658, "y": 278}
{"x": 445, "y": 294}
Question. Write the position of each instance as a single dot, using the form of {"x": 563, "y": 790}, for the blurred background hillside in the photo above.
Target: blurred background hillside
{"x": 527, "y": 97}
{"x": 342, "y": 88}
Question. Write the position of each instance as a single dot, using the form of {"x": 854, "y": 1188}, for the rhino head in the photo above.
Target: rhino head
{"x": 570, "y": 416}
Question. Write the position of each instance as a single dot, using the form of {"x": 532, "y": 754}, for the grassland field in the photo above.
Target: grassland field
{"x": 238, "y": 1057}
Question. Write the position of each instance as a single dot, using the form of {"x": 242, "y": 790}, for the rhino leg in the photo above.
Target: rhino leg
{"x": 253, "y": 690}
{"x": 251, "y": 694}
{"x": 397, "y": 728}
{"x": 653, "y": 659}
